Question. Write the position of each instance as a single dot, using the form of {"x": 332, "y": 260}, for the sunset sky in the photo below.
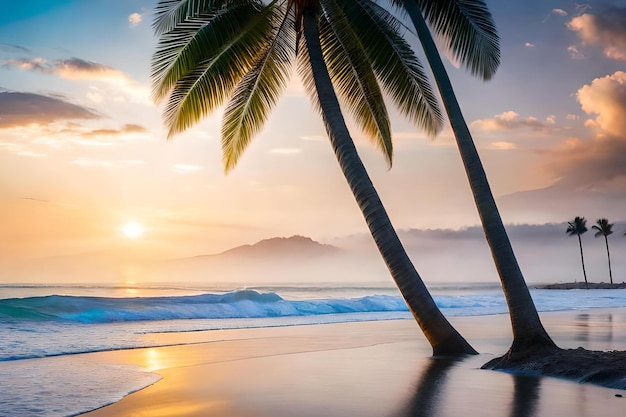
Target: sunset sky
{"x": 83, "y": 150}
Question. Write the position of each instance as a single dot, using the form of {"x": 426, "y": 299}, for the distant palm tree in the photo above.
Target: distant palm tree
{"x": 240, "y": 53}
{"x": 578, "y": 227}
{"x": 604, "y": 228}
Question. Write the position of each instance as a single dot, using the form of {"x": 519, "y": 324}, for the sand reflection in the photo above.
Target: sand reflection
{"x": 594, "y": 327}
{"x": 431, "y": 393}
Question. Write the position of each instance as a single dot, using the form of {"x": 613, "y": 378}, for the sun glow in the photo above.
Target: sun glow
{"x": 133, "y": 230}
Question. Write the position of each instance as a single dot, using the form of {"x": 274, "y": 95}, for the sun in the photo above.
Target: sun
{"x": 133, "y": 230}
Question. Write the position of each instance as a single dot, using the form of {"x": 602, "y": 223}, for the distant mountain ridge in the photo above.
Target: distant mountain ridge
{"x": 293, "y": 245}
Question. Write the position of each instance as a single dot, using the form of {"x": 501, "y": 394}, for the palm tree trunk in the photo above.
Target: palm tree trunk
{"x": 608, "y": 255}
{"x": 582, "y": 259}
{"x": 444, "y": 338}
{"x": 527, "y": 327}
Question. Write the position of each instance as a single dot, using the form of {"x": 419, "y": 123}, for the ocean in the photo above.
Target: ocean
{"x": 45, "y": 328}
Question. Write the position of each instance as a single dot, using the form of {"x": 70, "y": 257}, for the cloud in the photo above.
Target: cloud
{"x": 503, "y": 146}
{"x": 186, "y": 168}
{"x": 601, "y": 158}
{"x": 70, "y": 69}
{"x": 285, "y": 151}
{"x": 606, "y": 98}
{"x": 510, "y": 120}
{"x": 31, "y": 154}
{"x": 134, "y": 19}
{"x": 22, "y": 109}
{"x": 574, "y": 53}
{"x": 128, "y": 128}
{"x": 606, "y": 28}
{"x": 8, "y": 47}
{"x": 529, "y": 45}
{"x": 553, "y": 12}
{"x": 589, "y": 162}
{"x": 314, "y": 138}
{"x": 99, "y": 163}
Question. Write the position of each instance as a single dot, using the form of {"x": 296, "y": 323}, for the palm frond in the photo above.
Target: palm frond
{"x": 603, "y": 227}
{"x": 577, "y": 227}
{"x": 189, "y": 43}
{"x": 394, "y": 62}
{"x": 222, "y": 56}
{"x": 258, "y": 91}
{"x": 168, "y": 14}
{"x": 468, "y": 31}
{"x": 353, "y": 76}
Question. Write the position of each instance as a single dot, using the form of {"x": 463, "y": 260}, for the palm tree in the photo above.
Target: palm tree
{"x": 604, "y": 228}
{"x": 578, "y": 227}
{"x": 240, "y": 51}
{"x": 469, "y": 32}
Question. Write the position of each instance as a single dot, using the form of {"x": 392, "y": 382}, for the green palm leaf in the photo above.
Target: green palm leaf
{"x": 467, "y": 30}
{"x": 258, "y": 91}
{"x": 193, "y": 43}
{"x": 224, "y": 58}
{"x": 168, "y": 14}
{"x": 394, "y": 62}
{"x": 353, "y": 76}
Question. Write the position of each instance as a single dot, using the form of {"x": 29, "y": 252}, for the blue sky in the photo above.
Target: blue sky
{"x": 93, "y": 155}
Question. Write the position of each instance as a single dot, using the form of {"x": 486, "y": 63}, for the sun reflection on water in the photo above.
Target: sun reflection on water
{"x": 152, "y": 360}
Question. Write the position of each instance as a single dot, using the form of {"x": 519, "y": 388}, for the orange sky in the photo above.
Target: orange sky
{"x": 83, "y": 149}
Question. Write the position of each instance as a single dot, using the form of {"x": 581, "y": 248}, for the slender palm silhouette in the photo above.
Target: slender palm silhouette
{"x": 604, "y": 228}
{"x": 468, "y": 30}
{"x": 577, "y": 228}
{"x": 241, "y": 51}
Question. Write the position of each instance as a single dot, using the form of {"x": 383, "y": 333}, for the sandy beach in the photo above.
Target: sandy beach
{"x": 362, "y": 369}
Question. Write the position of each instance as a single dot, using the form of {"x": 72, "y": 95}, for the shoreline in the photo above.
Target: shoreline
{"x": 361, "y": 368}
{"x": 581, "y": 285}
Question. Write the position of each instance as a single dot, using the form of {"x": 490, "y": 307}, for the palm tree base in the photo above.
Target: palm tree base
{"x": 607, "y": 369}
{"x": 453, "y": 347}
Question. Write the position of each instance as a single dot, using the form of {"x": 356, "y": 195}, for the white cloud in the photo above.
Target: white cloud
{"x": 511, "y": 120}
{"x": 285, "y": 151}
{"x": 32, "y": 154}
{"x": 134, "y": 19}
{"x": 574, "y": 53}
{"x": 559, "y": 12}
{"x": 314, "y": 138}
{"x": 529, "y": 45}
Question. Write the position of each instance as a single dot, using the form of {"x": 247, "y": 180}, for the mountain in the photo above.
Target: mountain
{"x": 299, "y": 246}
{"x": 275, "y": 260}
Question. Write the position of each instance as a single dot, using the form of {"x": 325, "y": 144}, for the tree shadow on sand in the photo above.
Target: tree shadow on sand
{"x": 426, "y": 401}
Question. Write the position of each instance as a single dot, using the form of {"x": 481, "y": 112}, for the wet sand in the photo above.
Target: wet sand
{"x": 363, "y": 369}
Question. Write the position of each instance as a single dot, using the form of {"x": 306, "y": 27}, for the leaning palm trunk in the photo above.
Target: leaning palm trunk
{"x": 527, "y": 327}
{"x": 444, "y": 338}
